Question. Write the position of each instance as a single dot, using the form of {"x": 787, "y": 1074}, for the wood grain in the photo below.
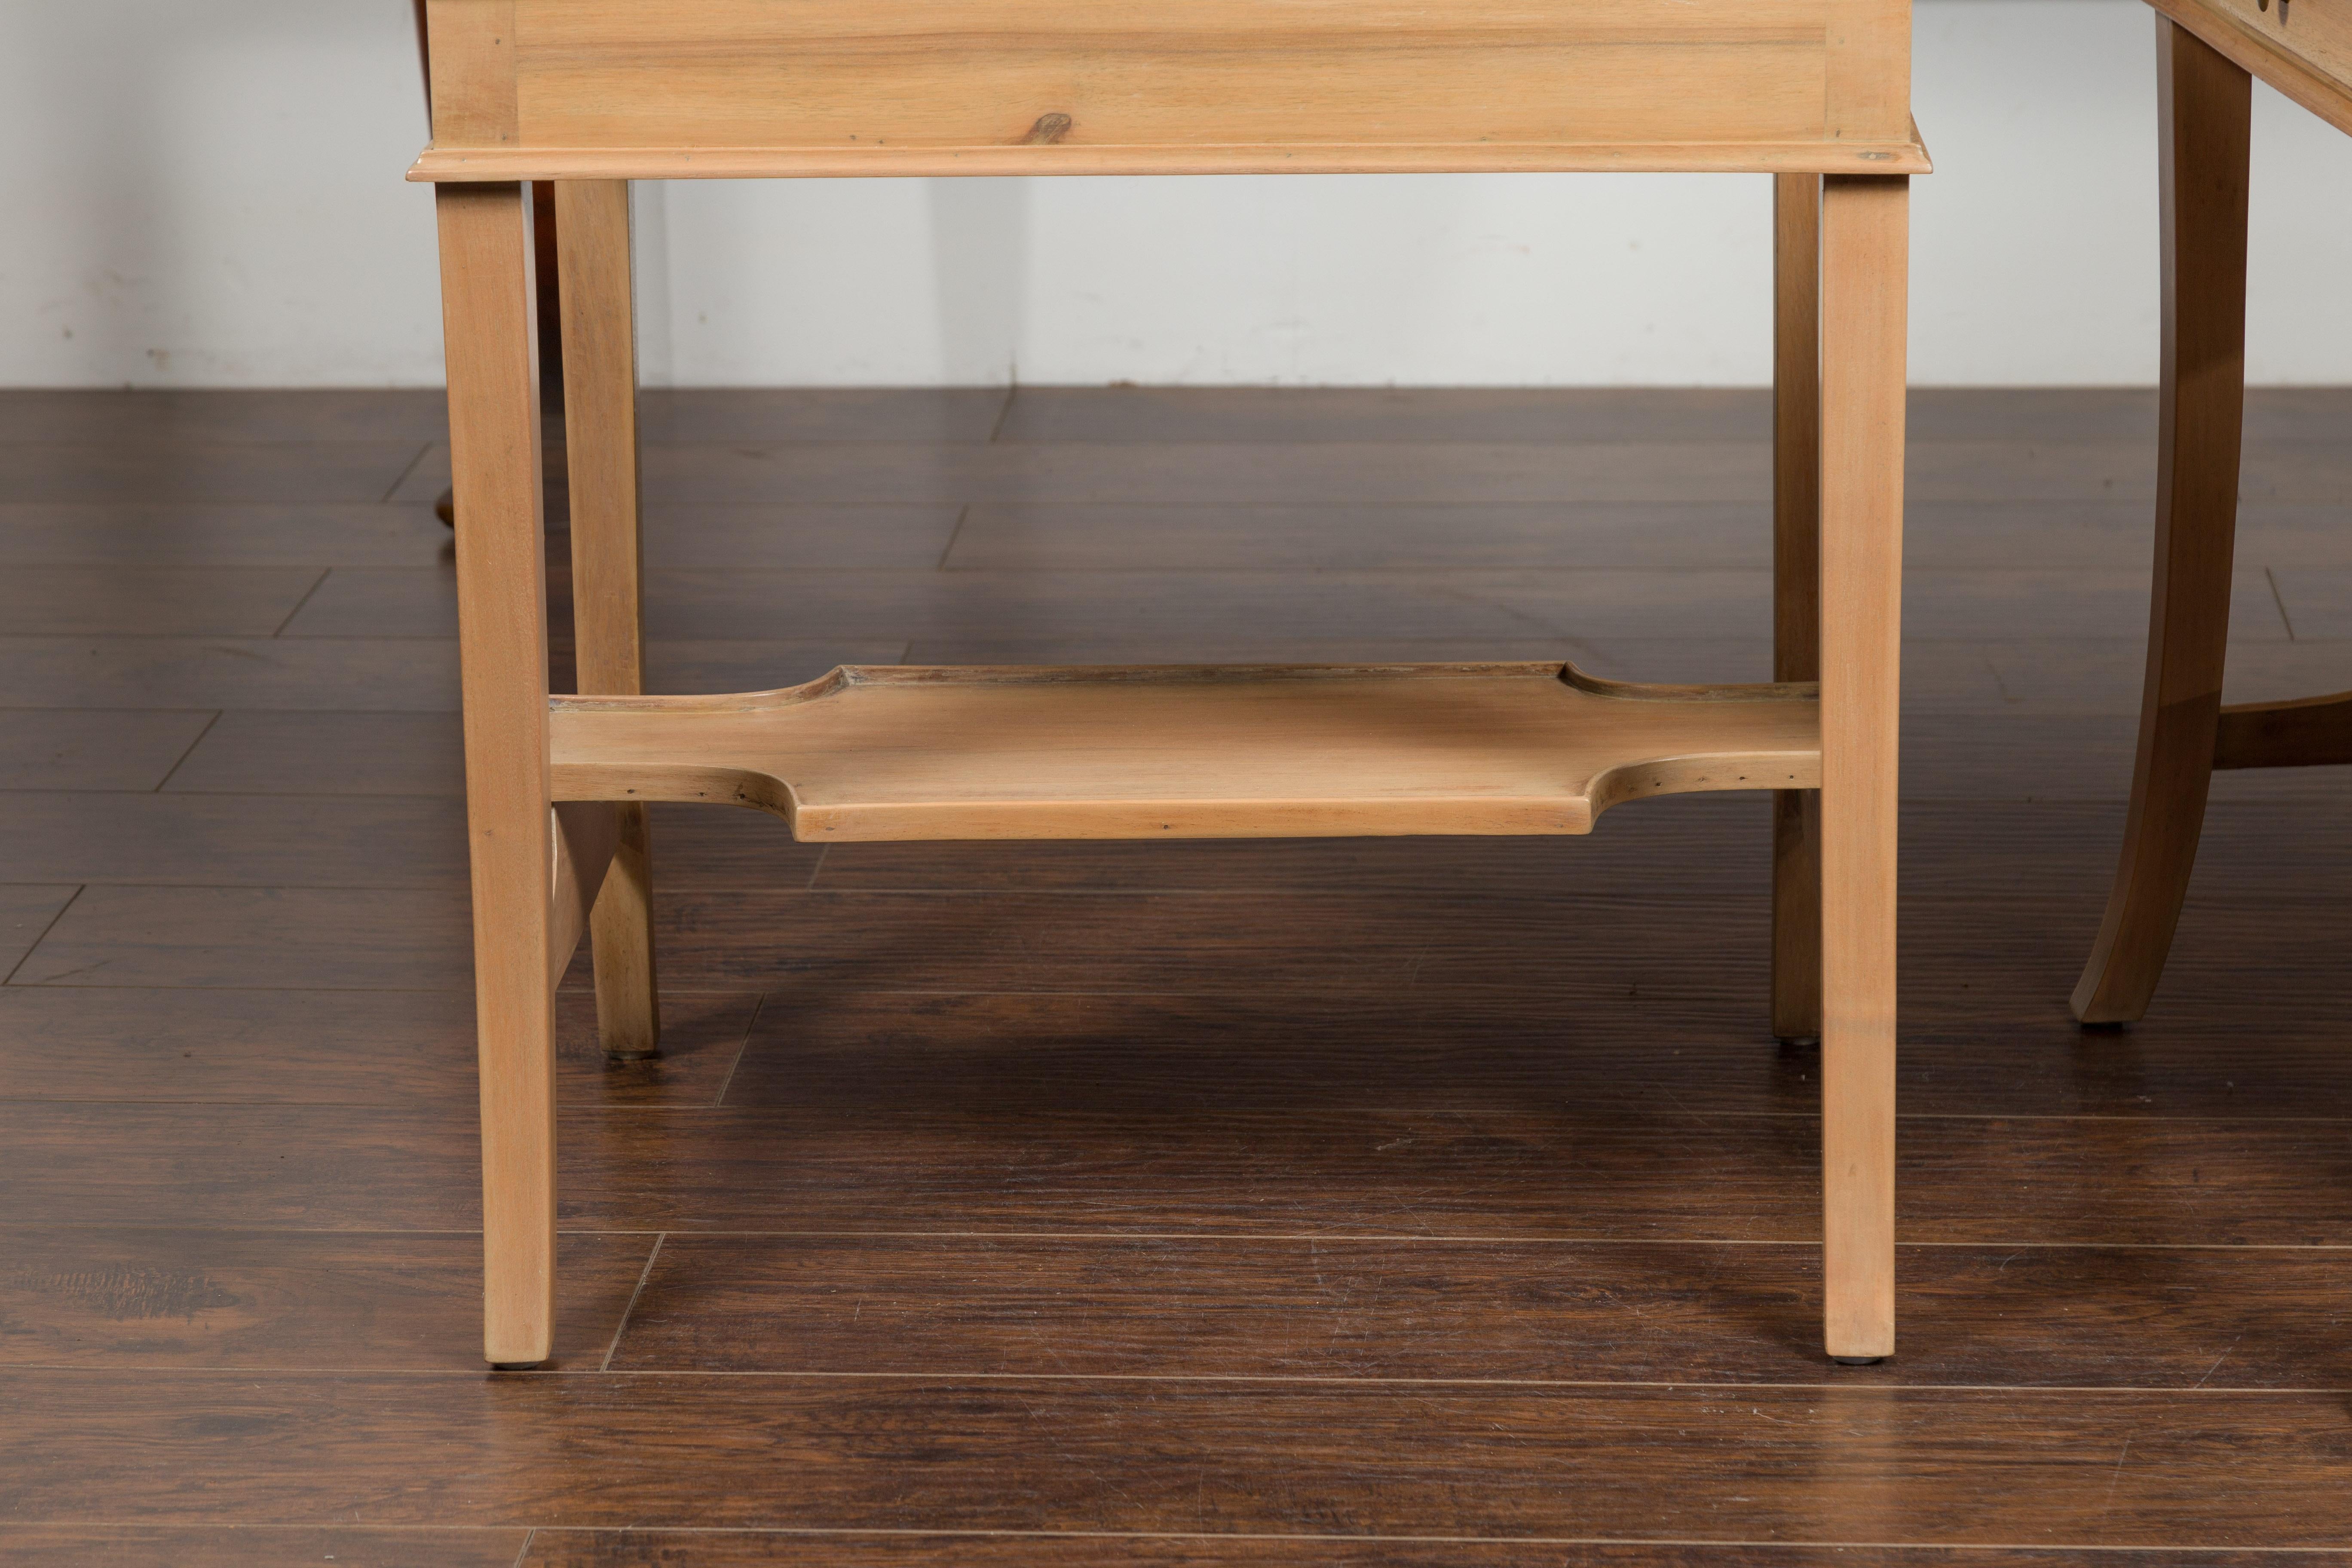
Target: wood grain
{"x": 27, "y": 913}
{"x": 1212, "y": 752}
{"x": 690, "y": 665}
{"x": 2097, "y": 536}
{"x": 1394, "y": 603}
{"x": 329, "y": 753}
{"x": 1378, "y": 473}
{"x": 216, "y": 841}
{"x": 1371, "y": 473}
{"x": 165, "y": 533}
{"x": 1382, "y": 473}
{"x": 1532, "y": 1173}
{"x": 538, "y": 91}
{"x": 1239, "y": 76}
{"x": 490, "y": 313}
{"x": 260, "y": 1546}
{"x": 2100, "y": 676}
{"x": 1008, "y": 1054}
{"x": 1022, "y": 159}
{"x": 1824, "y": 1464}
{"x": 1797, "y": 589}
{"x": 1295, "y": 413}
{"x": 183, "y": 416}
{"x": 186, "y": 416}
{"x": 600, "y": 412}
{"x": 1126, "y": 1105}
{"x": 2317, "y": 599}
{"x": 2308, "y": 732}
{"x": 161, "y": 601}
{"x": 1289, "y": 415}
{"x": 333, "y": 1047}
{"x": 1144, "y": 537}
{"x": 293, "y": 937}
{"x": 788, "y": 537}
{"x": 1207, "y": 943}
{"x": 2310, "y": 63}
{"x": 204, "y": 472}
{"x": 821, "y": 413}
{"x": 1111, "y": 1308}
{"x": 63, "y": 749}
{"x": 472, "y": 45}
{"x": 734, "y": 1549}
{"x": 279, "y": 1302}
{"x": 1864, "y": 281}
{"x": 267, "y": 673}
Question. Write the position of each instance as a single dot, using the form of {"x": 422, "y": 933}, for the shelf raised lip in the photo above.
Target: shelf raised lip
{"x": 1810, "y": 156}
{"x": 870, "y": 753}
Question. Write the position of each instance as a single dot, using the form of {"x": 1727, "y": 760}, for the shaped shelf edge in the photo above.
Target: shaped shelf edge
{"x": 1173, "y": 751}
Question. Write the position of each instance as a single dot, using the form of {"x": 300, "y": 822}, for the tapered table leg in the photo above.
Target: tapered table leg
{"x": 1865, "y": 267}
{"x": 1796, "y": 589}
{"x": 600, "y": 373}
{"x": 2205, "y": 105}
{"x": 489, "y": 322}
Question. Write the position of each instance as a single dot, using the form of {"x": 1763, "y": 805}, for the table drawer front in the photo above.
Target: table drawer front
{"x": 614, "y": 74}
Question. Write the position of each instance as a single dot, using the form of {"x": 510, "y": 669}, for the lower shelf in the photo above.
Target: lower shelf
{"x": 1177, "y": 752}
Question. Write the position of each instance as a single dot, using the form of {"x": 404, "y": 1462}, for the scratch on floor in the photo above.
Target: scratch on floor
{"x": 2218, "y": 1360}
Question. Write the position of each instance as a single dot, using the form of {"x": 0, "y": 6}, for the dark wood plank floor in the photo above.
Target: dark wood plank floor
{"x": 1343, "y": 1203}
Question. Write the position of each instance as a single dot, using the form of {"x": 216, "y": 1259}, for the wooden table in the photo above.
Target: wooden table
{"x": 1814, "y": 93}
{"x": 2207, "y": 51}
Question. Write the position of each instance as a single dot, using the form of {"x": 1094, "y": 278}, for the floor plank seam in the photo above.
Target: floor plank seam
{"x": 423, "y": 452}
{"x": 742, "y": 1049}
{"x": 181, "y": 759}
{"x": 1860, "y": 1385}
{"x": 33, "y": 946}
{"x": 622, "y": 1327}
{"x": 307, "y": 594}
{"x": 690, "y": 1234}
{"x": 2151, "y": 1118}
{"x": 954, "y": 533}
{"x": 2270, "y": 576}
{"x": 1298, "y": 1537}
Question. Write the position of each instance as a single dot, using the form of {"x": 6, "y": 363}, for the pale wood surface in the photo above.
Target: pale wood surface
{"x": 472, "y": 47}
{"x": 750, "y": 88}
{"x": 600, "y": 414}
{"x": 2204, "y": 109}
{"x": 489, "y": 311}
{"x": 1865, "y": 269}
{"x": 1239, "y": 752}
{"x": 656, "y": 89}
{"x": 1867, "y": 66}
{"x": 583, "y": 837}
{"x": 460, "y": 164}
{"x": 1796, "y": 589}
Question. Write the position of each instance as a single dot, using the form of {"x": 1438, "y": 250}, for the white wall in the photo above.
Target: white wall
{"x": 207, "y": 192}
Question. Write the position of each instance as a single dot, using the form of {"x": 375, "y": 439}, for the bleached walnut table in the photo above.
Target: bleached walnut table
{"x": 594, "y": 93}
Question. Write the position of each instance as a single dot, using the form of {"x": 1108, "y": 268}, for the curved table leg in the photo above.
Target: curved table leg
{"x": 2205, "y": 104}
